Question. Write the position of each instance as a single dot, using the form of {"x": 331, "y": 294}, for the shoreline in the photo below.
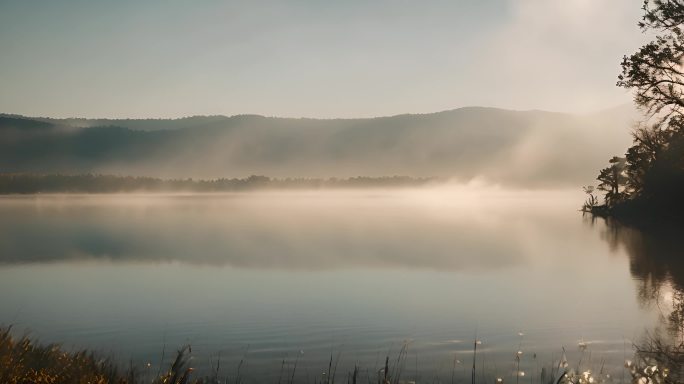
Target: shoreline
{"x": 30, "y": 184}
{"x": 24, "y": 359}
{"x": 642, "y": 214}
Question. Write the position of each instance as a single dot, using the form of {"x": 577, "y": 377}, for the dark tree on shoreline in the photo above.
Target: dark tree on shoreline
{"x": 612, "y": 179}
{"x": 652, "y": 173}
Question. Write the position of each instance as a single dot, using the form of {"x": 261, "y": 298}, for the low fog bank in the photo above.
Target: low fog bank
{"x": 446, "y": 228}
{"x": 42, "y": 184}
{"x": 512, "y": 148}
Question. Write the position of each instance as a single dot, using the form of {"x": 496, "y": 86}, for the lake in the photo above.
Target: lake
{"x": 278, "y": 279}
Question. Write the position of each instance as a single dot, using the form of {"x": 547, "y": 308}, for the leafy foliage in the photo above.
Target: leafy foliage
{"x": 612, "y": 179}
{"x": 652, "y": 171}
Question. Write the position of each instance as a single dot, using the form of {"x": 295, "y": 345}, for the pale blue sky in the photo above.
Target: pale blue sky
{"x": 312, "y": 58}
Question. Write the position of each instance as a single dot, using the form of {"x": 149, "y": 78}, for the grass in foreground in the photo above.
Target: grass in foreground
{"x": 23, "y": 361}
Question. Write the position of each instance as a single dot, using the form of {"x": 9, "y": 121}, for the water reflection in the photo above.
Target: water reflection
{"x": 305, "y": 232}
{"x": 352, "y": 272}
{"x": 656, "y": 255}
{"x": 657, "y": 262}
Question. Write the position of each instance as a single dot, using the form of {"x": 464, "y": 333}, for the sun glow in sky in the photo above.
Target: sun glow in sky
{"x": 311, "y": 58}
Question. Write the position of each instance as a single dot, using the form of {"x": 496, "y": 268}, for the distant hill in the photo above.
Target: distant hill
{"x": 529, "y": 148}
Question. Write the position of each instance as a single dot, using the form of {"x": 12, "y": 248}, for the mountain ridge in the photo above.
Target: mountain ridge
{"x": 497, "y": 145}
{"x": 112, "y": 121}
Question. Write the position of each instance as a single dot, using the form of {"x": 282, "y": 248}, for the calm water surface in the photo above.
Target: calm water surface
{"x": 298, "y": 276}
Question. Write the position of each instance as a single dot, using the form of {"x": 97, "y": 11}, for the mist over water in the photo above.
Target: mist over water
{"x": 274, "y": 275}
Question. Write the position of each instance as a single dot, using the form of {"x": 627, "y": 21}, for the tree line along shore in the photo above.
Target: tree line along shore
{"x": 21, "y": 183}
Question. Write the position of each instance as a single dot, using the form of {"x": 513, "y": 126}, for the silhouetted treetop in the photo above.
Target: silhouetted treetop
{"x": 662, "y": 14}
{"x": 652, "y": 172}
{"x": 655, "y": 72}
